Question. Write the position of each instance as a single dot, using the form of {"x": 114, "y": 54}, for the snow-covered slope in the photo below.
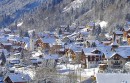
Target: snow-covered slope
{"x": 12, "y": 10}
{"x": 68, "y": 12}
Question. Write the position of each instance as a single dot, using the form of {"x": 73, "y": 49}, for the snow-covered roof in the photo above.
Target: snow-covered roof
{"x": 106, "y": 50}
{"x": 7, "y": 29}
{"x": 23, "y": 39}
{"x": 3, "y": 39}
{"x": 88, "y": 50}
{"x": 15, "y": 61}
{"x": 124, "y": 51}
{"x": 16, "y": 47}
{"x": 118, "y": 32}
{"x": 106, "y": 41}
{"x": 36, "y": 60}
{"x": 108, "y": 35}
{"x": 53, "y": 56}
{"x": 17, "y": 54}
{"x": 121, "y": 50}
{"x": 112, "y": 78}
{"x": 49, "y": 40}
{"x": 19, "y": 77}
{"x": 36, "y": 54}
{"x": 75, "y": 47}
{"x": 5, "y": 52}
{"x": 7, "y": 44}
{"x": 91, "y": 54}
{"x": 114, "y": 54}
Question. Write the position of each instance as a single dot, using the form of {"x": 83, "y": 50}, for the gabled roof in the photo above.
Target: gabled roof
{"x": 126, "y": 29}
{"x": 19, "y": 77}
{"x": 106, "y": 50}
{"x": 7, "y": 29}
{"x": 75, "y": 47}
{"x": 7, "y": 44}
{"x": 87, "y": 51}
{"x": 14, "y": 61}
{"x": 5, "y": 52}
{"x": 3, "y": 39}
{"x": 118, "y": 32}
{"x": 124, "y": 51}
{"x": 95, "y": 50}
{"x": 49, "y": 40}
{"x": 53, "y": 57}
{"x": 115, "y": 54}
{"x": 36, "y": 54}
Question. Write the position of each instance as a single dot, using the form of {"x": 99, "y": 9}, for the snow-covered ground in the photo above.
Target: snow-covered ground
{"x": 113, "y": 78}
{"x": 75, "y": 4}
{"x": 67, "y": 68}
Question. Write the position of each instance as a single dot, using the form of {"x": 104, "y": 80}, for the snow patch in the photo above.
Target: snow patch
{"x": 103, "y": 24}
{"x": 19, "y": 24}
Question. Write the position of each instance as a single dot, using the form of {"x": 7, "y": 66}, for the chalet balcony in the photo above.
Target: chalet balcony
{"x": 116, "y": 65}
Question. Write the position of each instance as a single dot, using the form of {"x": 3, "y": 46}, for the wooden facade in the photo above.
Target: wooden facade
{"x": 126, "y": 36}
{"x": 90, "y": 60}
{"x": 128, "y": 39}
{"x": 40, "y": 43}
{"x": 74, "y": 55}
{"x": 7, "y": 47}
{"x": 116, "y": 61}
{"x": 55, "y": 49}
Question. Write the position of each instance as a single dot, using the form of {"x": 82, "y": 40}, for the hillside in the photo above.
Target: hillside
{"x": 53, "y": 13}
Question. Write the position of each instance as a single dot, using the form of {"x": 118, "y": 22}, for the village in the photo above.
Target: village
{"x": 82, "y": 54}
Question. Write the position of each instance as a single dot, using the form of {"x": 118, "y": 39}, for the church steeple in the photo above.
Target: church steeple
{"x": 31, "y": 35}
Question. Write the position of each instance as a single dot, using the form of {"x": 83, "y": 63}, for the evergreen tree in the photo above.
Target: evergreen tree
{"x": 93, "y": 44}
{"x": 22, "y": 53}
{"x": 60, "y": 31}
{"x": 20, "y": 33}
{"x": 67, "y": 28}
{"x": 93, "y": 30}
{"x": 88, "y": 44}
{"x": 98, "y": 30}
{"x": 26, "y": 34}
{"x": 3, "y": 58}
{"x": 33, "y": 34}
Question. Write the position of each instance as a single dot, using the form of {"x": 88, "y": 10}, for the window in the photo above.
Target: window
{"x": 116, "y": 61}
{"x": 120, "y": 61}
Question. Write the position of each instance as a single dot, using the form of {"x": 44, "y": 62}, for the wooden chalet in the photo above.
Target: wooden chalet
{"x": 91, "y": 59}
{"x": 74, "y": 54}
{"x": 116, "y": 61}
{"x": 43, "y": 45}
{"x": 6, "y": 46}
{"x": 128, "y": 39}
{"x": 126, "y": 31}
{"x": 17, "y": 78}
